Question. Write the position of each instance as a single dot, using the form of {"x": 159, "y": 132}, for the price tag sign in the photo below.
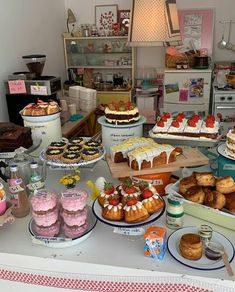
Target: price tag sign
{"x": 41, "y": 240}
{"x": 61, "y": 167}
{"x": 35, "y": 186}
{"x": 16, "y": 86}
{"x": 129, "y": 231}
{"x": 38, "y": 90}
{"x": 15, "y": 189}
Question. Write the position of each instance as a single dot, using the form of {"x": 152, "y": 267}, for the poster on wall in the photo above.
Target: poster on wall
{"x": 123, "y": 19}
{"x": 105, "y": 16}
{"x": 196, "y": 27}
{"x": 196, "y": 87}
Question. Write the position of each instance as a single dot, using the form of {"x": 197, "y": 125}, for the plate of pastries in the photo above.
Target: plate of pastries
{"x": 128, "y": 204}
{"x": 205, "y": 189}
{"x": 186, "y": 246}
{"x": 74, "y": 152}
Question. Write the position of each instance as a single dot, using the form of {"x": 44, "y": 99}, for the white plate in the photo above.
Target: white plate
{"x": 96, "y": 208}
{"x": 39, "y": 119}
{"x": 59, "y": 163}
{"x": 221, "y": 150}
{"x": 203, "y": 263}
{"x": 62, "y": 241}
{"x": 103, "y": 122}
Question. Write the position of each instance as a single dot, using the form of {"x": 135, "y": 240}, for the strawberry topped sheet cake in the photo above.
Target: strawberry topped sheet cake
{"x": 193, "y": 126}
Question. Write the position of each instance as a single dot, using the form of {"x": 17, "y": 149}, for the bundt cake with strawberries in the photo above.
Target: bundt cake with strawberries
{"x": 134, "y": 211}
{"x": 113, "y": 209}
{"x": 106, "y": 193}
{"x": 151, "y": 200}
{"x": 128, "y": 189}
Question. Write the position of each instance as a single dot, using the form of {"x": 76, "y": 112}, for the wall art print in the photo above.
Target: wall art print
{"x": 105, "y": 16}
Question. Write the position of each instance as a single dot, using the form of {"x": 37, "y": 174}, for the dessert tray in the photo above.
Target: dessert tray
{"x": 203, "y": 263}
{"x": 58, "y": 163}
{"x": 62, "y": 241}
{"x": 223, "y": 218}
{"x": 97, "y": 210}
{"x": 184, "y": 140}
{"x": 221, "y": 150}
{"x": 189, "y": 157}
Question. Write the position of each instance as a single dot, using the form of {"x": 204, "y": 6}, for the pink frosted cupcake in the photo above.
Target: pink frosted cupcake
{"x": 50, "y": 231}
{"x": 45, "y": 218}
{"x": 75, "y": 231}
{"x": 44, "y": 200}
{"x": 74, "y": 218}
{"x": 74, "y": 200}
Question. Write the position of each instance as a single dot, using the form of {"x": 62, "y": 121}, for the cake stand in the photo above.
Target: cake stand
{"x": 62, "y": 241}
{"x": 130, "y": 231}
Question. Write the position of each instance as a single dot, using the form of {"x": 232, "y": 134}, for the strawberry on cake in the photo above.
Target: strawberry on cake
{"x": 113, "y": 209}
{"x": 163, "y": 124}
{"x": 128, "y": 189}
{"x": 151, "y": 200}
{"x": 106, "y": 193}
{"x": 121, "y": 113}
{"x": 134, "y": 211}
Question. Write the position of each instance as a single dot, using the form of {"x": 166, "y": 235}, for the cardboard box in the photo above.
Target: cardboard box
{"x": 155, "y": 242}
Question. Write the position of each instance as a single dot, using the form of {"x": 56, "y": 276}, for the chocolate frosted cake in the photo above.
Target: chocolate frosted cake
{"x": 13, "y": 136}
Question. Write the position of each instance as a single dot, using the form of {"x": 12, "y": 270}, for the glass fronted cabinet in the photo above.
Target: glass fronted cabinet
{"x": 103, "y": 63}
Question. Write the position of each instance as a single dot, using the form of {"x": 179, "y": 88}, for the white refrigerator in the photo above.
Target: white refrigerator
{"x": 187, "y": 91}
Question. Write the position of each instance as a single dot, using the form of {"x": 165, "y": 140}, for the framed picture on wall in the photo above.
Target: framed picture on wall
{"x": 196, "y": 27}
{"x": 105, "y": 16}
{"x": 123, "y": 19}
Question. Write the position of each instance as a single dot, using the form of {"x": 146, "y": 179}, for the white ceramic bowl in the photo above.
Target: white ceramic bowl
{"x": 39, "y": 119}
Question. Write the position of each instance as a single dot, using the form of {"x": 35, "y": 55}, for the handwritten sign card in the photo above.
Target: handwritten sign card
{"x": 16, "y": 86}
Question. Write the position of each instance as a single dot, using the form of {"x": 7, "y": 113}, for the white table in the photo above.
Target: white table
{"x": 103, "y": 256}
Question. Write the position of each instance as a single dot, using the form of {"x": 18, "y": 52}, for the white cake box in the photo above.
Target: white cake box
{"x": 115, "y": 134}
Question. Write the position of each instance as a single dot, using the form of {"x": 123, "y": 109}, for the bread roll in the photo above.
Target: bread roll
{"x": 195, "y": 194}
{"x": 215, "y": 199}
{"x": 225, "y": 185}
{"x": 186, "y": 183}
{"x": 205, "y": 179}
{"x": 191, "y": 246}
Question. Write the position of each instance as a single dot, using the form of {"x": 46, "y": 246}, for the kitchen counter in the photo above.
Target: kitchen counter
{"x": 104, "y": 256}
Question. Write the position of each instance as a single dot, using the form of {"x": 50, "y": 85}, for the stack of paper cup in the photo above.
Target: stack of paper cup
{"x": 74, "y": 93}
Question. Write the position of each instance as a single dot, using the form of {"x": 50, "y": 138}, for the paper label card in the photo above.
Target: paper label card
{"x": 183, "y": 95}
{"x": 171, "y": 88}
{"x": 38, "y": 90}
{"x": 16, "y": 86}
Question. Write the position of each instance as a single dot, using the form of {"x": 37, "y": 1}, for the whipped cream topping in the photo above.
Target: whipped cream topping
{"x": 206, "y": 130}
{"x": 231, "y": 134}
{"x": 135, "y": 207}
{"x": 154, "y": 197}
{"x": 196, "y": 129}
{"x": 126, "y": 112}
{"x": 182, "y": 125}
{"x": 113, "y": 208}
{"x": 104, "y": 195}
{"x": 137, "y": 194}
{"x": 157, "y": 129}
{"x": 148, "y": 153}
{"x": 230, "y": 146}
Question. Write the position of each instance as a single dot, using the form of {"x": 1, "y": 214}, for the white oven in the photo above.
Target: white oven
{"x": 224, "y": 106}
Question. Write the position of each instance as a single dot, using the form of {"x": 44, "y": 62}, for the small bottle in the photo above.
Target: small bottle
{"x": 18, "y": 193}
{"x": 174, "y": 214}
{"x": 35, "y": 180}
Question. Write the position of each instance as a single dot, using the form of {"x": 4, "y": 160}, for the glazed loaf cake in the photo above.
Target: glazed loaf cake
{"x": 13, "y": 136}
{"x": 119, "y": 152}
{"x": 150, "y": 156}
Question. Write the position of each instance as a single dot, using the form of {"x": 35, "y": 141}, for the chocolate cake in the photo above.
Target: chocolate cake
{"x": 13, "y": 136}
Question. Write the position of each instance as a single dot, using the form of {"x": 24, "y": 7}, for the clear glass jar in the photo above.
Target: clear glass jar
{"x": 174, "y": 214}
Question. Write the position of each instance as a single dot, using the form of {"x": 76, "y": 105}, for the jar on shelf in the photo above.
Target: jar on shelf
{"x": 85, "y": 30}
{"x": 174, "y": 214}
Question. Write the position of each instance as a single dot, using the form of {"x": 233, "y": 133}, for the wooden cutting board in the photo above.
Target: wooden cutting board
{"x": 189, "y": 157}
